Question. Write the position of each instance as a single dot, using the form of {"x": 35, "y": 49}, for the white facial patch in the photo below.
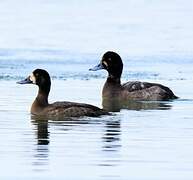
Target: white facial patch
{"x": 104, "y": 62}
{"x": 32, "y": 78}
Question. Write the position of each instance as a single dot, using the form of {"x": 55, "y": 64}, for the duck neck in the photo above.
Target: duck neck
{"x": 40, "y": 102}
{"x": 112, "y": 88}
{"x": 42, "y": 98}
{"x": 113, "y": 80}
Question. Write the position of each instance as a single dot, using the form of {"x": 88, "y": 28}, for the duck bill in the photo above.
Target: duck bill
{"x": 25, "y": 81}
{"x": 97, "y": 67}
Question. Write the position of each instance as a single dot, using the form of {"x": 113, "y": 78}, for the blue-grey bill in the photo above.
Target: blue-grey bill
{"x": 25, "y": 81}
{"x": 97, "y": 67}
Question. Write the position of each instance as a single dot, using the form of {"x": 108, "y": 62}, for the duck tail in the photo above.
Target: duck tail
{"x": 175, "y": 97}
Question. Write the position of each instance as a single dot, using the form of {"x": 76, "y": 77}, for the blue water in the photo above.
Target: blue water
{"x": 154, "y": 39}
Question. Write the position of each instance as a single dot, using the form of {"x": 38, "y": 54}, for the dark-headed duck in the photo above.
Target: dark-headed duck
{"x": 41, "y": 106}
{"x": 132, "y": 90}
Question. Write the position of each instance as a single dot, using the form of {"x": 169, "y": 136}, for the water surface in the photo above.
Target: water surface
{"x": 155, "y": 140}
{"x": 141, "y": 141}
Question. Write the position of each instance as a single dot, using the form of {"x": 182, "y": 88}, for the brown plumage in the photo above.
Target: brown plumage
{"x": 41, "y": 106}
{"x": 132, "y": 90}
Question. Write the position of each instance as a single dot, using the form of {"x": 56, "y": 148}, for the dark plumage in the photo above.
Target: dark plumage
{"x": 41, "y": 106}
{"x": 132, "y": 90}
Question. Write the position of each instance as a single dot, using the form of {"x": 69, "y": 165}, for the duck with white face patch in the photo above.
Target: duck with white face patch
{"x": 62, "y": 109}
{"x": 132, "y": 90}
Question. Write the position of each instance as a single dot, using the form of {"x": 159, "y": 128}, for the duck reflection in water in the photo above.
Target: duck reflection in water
{"x": 111, "y": 142}
{"x": 42, "y": 123}
{"x": 41, "y": 154}
{"x": 41, "y": 128}
{"x": 111, "y": 137}
{"x": 115, "y": 105}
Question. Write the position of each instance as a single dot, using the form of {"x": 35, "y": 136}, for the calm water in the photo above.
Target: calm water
{"x": 146, "y": 141}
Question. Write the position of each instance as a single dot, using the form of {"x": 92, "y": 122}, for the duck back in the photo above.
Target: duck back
{"x": 72, "y": 109}
{"x": 148, "y": 91}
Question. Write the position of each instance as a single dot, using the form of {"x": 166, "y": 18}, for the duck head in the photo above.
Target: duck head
{"x": 111, "y": 62}
{"x": 39, "y": 77}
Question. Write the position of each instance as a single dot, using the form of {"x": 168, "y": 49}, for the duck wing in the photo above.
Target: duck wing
{"x": 72, "y": 109}
{"x": 67, "y": 104}
{"x": 150, "y": 89}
